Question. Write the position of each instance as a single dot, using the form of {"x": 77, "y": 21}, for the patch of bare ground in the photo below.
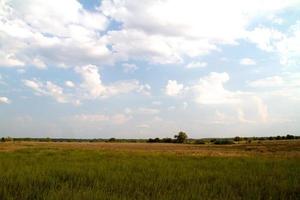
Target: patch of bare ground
{"x": 287, "y": 148}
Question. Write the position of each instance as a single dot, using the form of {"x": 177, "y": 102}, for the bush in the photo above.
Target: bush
{"x": 237, "y": 138}
{"x": 111, "y": 140}
{"x": 290, "y": 137}
{"x": 224, "y": 142}
{"x": 167, "y": 140}
{"x": 199, "y": 142}
{"x": 278, "y": 137}
{"x": 213, "y": 140}
{"x": 156, "y": 140}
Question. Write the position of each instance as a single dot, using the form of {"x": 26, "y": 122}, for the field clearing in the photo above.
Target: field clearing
{"x": 287, "y": 148}
{"x": 142, "y": 171}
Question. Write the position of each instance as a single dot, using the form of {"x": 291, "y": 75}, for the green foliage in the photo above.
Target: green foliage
{"x": 181, "y": 137}
{"x": 112, "y": 140}
{"x": 289, "y": 137}
{"x": 167, "y": 140}
{"x": 88, "y": 174}
{"x": 223, "y": 141}
{"x": 199, "y": 142}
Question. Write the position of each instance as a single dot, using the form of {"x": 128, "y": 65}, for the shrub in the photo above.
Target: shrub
{"x": 289, "y": 137}
{"x": 167, "y": 140}
{"x": 199, "y": 142}
{"x": 213, "y": 140}
{"x": 111, "y": 140}
{"x": 278, "y": 137}
{"x": 224, "y": 141}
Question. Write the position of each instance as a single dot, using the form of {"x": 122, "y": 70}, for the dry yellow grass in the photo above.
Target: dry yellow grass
{"x": 288, "y": 148}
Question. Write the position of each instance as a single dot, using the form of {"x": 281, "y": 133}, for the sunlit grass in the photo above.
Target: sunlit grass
{"x": 90, "y": 174}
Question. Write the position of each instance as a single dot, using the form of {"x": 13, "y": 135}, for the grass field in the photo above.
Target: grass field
{"x": 37, "y": 170}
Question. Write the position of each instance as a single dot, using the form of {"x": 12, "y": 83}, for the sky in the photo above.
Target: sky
{"x": 140, "y": 68}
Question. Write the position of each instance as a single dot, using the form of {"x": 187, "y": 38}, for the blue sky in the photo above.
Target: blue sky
{"x": 140, "y": 69}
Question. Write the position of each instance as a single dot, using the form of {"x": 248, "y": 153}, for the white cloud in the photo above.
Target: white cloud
{"x": 39, "y": 63}
{"x": 262, "y": 109}
{"x": 157, "y": 103}
{"x": 69, "y": 84}
{"x": 128, "y": 67}
{"x": 4, "y": 100}
{"x": 43, "y": 33}
{"x": 267, "y": 82}
{"x": 91, "y": 80}
{"x": 31, "y": 29}
{"x": 196, "y": 65}
{"x": 247, "y": 61}
{"x": 92, "y": 84}
{"x": 185, "y": 105}
{"x": 286, "y": 85}
{"x": 210, "y": 90}
{"x": 265, "y": 38}
{"x": 241, "y": 116}
{"x": 286, "y": 45}
{"x": 47, "y": 89}
{"x": 117, "y": 119}
{"x": 148, "y": 111}
{"x": 175, "y": 29}
{"x": 173, "y": 88}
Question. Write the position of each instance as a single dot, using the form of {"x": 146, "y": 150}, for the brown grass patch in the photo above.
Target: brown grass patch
{"x": 288, "y": 148}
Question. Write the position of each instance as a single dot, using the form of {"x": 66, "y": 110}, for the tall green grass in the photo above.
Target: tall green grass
{"x": 86, "y": 174}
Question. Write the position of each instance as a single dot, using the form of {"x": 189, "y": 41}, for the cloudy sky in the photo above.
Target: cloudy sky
{"x": 141, "y": 68}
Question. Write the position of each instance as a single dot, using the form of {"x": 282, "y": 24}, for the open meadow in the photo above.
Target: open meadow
{"x": 74, "y": 170}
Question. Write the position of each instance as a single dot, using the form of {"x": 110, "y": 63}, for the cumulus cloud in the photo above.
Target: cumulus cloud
{"x": 173, "y": 88}
{"x": 47, "y": 89}
{"x": 284, "y": 44}
{"x": 284, "y": 85}
{"x": 4, "y": 100}
{"x": 69, "y": 84}
{"x": 247, "y": 61}
{"x": 189, "y": 29}
{"x": 196, "y": 65}
{"x": 43, "y": 33}
{"x": 210, "y": 90}
{"x": 92, "y": 84}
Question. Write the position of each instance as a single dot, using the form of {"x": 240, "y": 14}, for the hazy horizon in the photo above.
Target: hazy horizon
{"x": 141, "y": 69}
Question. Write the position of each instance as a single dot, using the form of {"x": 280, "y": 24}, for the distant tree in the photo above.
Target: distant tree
{"x": 199, "y": 141}
{"x": 167, "y": 140}
{"x": 181, "y": 137}
{"x": 213, "y": 140}
{"x": 155, "y": 140}
{"x": 289, "y": 137}
{"x": 2, "y": 139}
{"x": 223, "y": 141}
{"x": 237, "y": 138}
{"x": 271, "y": 138}
{"x": 111, "y": 139}
{"x": 278, "y": 137}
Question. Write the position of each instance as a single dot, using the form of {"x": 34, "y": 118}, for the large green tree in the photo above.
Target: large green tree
{"x": 181, "y": 137}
